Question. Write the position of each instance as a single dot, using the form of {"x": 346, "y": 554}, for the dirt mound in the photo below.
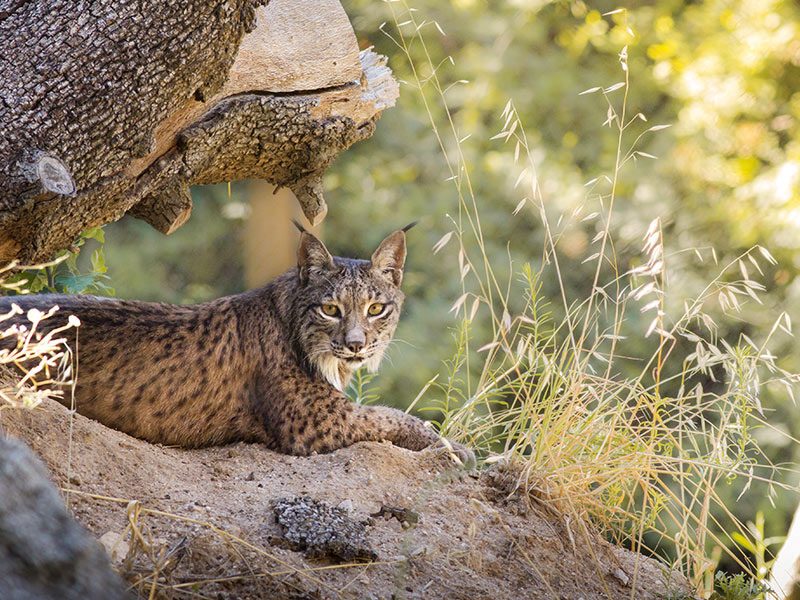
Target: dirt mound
{"x": 201, "y": 523}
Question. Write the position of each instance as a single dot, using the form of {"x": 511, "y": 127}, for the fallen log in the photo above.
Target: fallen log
{"x": 117, "y": 106}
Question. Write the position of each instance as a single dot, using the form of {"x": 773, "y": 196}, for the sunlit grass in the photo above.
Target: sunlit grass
{"x": 632, "y": 455}
{"x": 34, "y": 365}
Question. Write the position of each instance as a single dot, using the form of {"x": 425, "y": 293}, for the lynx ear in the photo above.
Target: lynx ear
{"x": 389, "y": 258}
{"x": 312, "y": 255}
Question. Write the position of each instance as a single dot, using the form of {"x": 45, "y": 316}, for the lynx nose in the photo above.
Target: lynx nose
{"x": 355, "y": 340}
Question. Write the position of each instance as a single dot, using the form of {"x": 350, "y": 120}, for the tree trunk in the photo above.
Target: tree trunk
{"x": 117, "y": 106}
{"x": 271, "y": 211}
{"x": 785, "y": 578}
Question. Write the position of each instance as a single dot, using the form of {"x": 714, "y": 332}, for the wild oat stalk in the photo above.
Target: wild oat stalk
{"x": 632, "y": 455}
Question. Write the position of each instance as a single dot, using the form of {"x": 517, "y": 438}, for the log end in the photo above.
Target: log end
{"x": 296, "y": 94}
{"x": 378, "y": 85}
{"x": 54, "y": 175}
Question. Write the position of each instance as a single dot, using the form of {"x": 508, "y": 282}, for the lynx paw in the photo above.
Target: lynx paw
{"x": 458, "y": 452}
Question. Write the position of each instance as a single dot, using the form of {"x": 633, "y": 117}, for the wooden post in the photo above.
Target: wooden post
{"x": 785, "y": 578}
{"x": 270, "y": 239}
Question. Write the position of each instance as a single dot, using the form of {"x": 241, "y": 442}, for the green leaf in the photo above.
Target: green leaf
{"x": 99, "y": 261}
{"x": 743, "y": 541}
{"x": 75, "y": 284}
{"x": 95, "y": 233}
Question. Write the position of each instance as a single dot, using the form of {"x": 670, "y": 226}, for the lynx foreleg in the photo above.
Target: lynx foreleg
{"x": 378, "y": 423}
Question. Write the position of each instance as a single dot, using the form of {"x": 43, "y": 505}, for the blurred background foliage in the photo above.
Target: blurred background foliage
{"x": 724, "y": 74}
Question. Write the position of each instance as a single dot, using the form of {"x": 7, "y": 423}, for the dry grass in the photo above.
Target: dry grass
{"x": 631, "y": 455}
{"x": 34, "y": 365}
{"x": 224, "y": 560}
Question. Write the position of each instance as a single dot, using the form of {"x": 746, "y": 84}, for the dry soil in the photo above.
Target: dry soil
{"x": 201, "y": 523}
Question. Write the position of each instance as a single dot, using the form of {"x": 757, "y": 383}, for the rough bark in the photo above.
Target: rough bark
{"x": 117, "y": 106}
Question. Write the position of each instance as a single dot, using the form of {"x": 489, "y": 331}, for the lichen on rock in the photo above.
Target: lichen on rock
{"x": 322, "y": 531}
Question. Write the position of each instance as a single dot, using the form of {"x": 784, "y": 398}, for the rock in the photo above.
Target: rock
{"x": 620, "y": 575}
{"x": 44, "y": 553}
{"x": 407, "y": 517}
{"x": 115, "y": 545}
{"x": 322, "y": 530}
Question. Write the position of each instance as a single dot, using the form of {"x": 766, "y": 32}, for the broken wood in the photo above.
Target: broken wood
{"x": 118, "y": 107}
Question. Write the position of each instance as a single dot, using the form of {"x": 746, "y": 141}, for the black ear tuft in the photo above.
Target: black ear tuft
{"x": 410, "y": 226}
{"x": 299, "y": 226}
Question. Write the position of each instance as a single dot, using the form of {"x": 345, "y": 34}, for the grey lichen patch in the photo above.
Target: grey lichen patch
{"x": 322, "y": 531}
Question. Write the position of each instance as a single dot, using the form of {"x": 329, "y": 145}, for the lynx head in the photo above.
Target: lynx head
{"x": 347, "y": 309}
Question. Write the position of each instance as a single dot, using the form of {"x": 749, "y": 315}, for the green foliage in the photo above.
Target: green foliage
{"x": 640, "y": 399}
{"x": 200, "y": 261}
{"x": 758, "y": 546}
{"x": 360, "y": 389}
{"x": 65, "y": 275}
{"x": 738, "y": 587}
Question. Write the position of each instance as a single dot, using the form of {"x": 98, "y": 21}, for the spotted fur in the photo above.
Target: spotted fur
{"x": 265, "y": 366}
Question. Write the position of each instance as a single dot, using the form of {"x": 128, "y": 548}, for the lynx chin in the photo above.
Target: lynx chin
{"x": 267, "y": 366}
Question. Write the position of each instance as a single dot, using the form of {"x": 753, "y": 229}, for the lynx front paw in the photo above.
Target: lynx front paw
{"x": 459, "y": 452}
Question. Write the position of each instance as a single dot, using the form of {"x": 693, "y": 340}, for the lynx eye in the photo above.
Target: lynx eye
{"x": 330, "y": 310}
{"x": 375, "y": 309}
